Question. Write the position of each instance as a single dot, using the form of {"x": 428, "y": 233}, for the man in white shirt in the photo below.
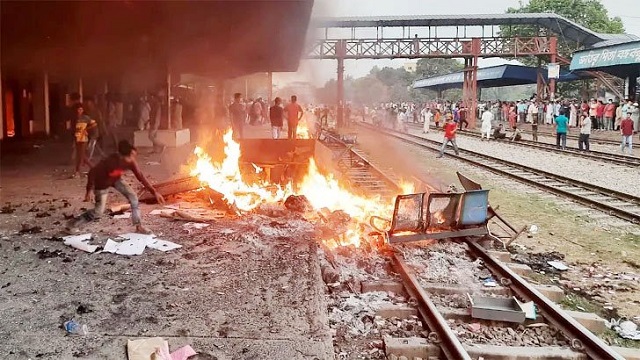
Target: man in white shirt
{"x": 426, "y": 118}
{"x": 487, "y": 118}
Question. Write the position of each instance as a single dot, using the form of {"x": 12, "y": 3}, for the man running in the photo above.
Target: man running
{"x": 449, "y": 136}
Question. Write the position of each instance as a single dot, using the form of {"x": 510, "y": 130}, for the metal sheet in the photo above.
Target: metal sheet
{"x": 498, "y": 309}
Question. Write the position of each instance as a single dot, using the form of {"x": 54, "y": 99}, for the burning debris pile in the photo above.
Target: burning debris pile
{"x": 341, "y": 217}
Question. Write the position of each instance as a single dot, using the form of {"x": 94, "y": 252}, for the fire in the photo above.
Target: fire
{"x": 226, "y": 179}
{"x": 322, "y": 191}
{"x": 303, "y": 131}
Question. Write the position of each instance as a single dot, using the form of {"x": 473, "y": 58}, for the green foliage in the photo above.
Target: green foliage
{"x": 588, "y": 13}
{"x": 391, "y": 84}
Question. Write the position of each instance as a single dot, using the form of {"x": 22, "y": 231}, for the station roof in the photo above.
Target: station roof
{"x": 617, "y": 59}
{"x": 494, "y": 76}
{"x": 556, "y": 23}
{"x": 214, "y": 38}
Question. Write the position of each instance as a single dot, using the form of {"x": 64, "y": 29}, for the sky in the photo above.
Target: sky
{"x": 319, "y": 71}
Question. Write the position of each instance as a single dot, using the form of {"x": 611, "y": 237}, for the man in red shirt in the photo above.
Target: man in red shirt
{"x": 609, "y": 115}
{"x": 294, "y": 115}
{"x": 600, "y": 115}
{"x": 108, "y": 173}
{"x": 449, "y": 136}
{"x": 626, "y": 130}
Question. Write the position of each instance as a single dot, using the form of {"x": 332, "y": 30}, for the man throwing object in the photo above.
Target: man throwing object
{"x": 108, "y": 173}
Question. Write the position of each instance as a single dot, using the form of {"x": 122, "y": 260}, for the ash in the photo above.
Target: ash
{"x": 445, "y": 262}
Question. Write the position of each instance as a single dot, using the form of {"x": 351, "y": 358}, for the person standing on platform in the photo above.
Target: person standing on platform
{"x": 462, "y": 114}
{"x": 626, "y": 130}
{"x": 487, "y": 118}
{"x": 537, "y": 118}
{"x": 294, "y": 114}
{"x": 238, "y": 115}
{"x": 450, "y": 129}
{"x": 609, "y": 115}
{"x": 561, "y": 131}
{"x": 585, "y": 132}
{"x": 427, "y": 115}
{"x": 276, "y": 116}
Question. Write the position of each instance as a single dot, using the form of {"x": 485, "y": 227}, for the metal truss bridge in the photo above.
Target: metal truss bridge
{"x": 462, "y": 45}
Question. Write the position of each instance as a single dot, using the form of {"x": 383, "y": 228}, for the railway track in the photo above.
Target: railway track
{"x": 370, "y": 177}
{"x": 612, "y": 202}
{"x": 611, "y": 158}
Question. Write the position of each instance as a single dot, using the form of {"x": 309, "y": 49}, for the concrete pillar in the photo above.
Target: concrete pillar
{"x": 47, "y": 114}
{"x": 341, "y": 50}
{"x": 80, "y": 89}
{"x": 168, "y": 99}
{"x": 1, "y": 109}
{"x": 630, "y": 87}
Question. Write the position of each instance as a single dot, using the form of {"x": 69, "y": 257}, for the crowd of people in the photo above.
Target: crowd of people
{"x": 586, "y": 116}
{"x": 255, "y": 112}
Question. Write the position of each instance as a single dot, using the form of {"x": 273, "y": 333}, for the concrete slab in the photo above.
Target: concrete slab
{"x": 552, "y": 292}
{"x": 627, "y": 353}
{"x": 503, "y": 256}
{"x": 591, "y": 321}
{"x": 170, "y": 138}
{"x": 399, "y": 311}
{"x": 410, "y": 347}
{"x": 520, "y": 269}
{"x": 494, "y": 352}
{"x": 437, "y": 288}
{"x": 387, "y": 286}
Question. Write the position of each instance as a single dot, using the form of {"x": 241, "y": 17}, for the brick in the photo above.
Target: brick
{"x": 551, "y": 292}
{"x": 495, "y": 352}
{"x": 520, "y": 269}
{"x": 627, "y": 353}
{"x": 386, "y": 286}
{"x": 591, "y": 321}
{"x": 503, "y": 256}
{"x": 438, "y": 288}
{"x": 399, "y": 311}
{"x": 410, "y": 347}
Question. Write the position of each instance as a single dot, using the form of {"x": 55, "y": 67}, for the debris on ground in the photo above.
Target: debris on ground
{"x": 156, "y": 348}
{"x": 135, "y": 244}
{"x": 624, "y": 328}
{"x": 80, "y": 242}
{"x": 74, "y": 328}
{"x": 298, "y": 203}
{"x": 29, "y": 229}
{"x": 558, "y": 265}
{"x": 125, "y": 215}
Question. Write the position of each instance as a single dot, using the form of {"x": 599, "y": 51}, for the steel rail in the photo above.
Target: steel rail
{"x": 582, "y": 339}
{"x": 447, "y": 339}
{"x": 605, "y": 157}
{"x": 610, "y": 209}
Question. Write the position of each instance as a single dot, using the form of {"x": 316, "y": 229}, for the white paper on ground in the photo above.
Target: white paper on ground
{"x": 153, "y": 163}
{"x": 163, "y": 245}
{"x": 80, "y": 242}
{"x": 144, "y": 349}
{"x": 529, "y": 309}
{"x": 558, "y": 265}
{"x": 111, "y": 246}
{"x": 135, "y": 236}
{"x": 126, "y": 215}
{"x": 131, "y": 247}
{"x": 183, "y": 353}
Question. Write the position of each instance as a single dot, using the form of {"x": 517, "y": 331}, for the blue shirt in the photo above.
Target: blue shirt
{"x": 561, "y": 124}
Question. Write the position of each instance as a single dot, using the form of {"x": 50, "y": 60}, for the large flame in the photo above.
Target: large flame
{"x": 226, "y": 179}
{"x": 322, "y": 191}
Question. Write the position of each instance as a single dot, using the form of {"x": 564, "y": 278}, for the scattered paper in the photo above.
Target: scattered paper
{"x": 625, "y": 329}
{"x": 144, "y": 349}
{"x": 126, "y": 215}
{"x": 533, "y": 229}
{"x": 529, "y": 309}
{"x": 111, "y": 246}
{"x": 183, "y": 353}
{"x": 558, "y": 265}
{"x": 137, "y": 243}
{"x": 489, "y": 282}
{"x": 80, "y": 242}
{"x": 163, "y": 245}
{"x": 153, "y": 163}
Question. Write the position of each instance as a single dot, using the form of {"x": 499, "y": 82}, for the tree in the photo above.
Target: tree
{"x": 588, "y": 13}
{"x": 433, "y": 67}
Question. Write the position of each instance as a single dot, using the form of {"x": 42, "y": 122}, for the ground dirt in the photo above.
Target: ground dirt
{"x": 238, "y": 289}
